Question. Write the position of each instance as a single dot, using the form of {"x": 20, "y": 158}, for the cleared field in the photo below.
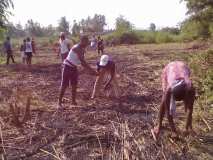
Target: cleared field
{"x": 104, "y": 128}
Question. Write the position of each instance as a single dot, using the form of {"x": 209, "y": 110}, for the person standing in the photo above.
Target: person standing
{"x": 70, "y": 69}
{"x": 100, "y": 45}
{"x": 28, "y": 51}
{"x": 8, "y": 50}
{"x": 64, "y": 46}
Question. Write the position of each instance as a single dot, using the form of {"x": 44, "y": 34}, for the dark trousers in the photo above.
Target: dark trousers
{"x": 100, "y": 50}
{"x": 8, "y": 58}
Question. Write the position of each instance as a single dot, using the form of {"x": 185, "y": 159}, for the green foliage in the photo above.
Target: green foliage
{"x": 4, "y": 6}
{"x": 163, "y": 37}
{"x": 192, "y": 29}
{"x": 201, "y": 17}
{"x": 201, "y": 65}
{"x": 122, "y": 25}
{"x": 143, "y": 36}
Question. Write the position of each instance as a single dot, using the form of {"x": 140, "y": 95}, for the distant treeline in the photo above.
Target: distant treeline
{"x": 198, "y": 25}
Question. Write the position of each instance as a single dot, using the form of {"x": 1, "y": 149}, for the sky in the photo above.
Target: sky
{"x": 139, "y": 12}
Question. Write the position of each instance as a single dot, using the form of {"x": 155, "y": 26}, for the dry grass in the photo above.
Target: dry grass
{"x": 104, "y": 128}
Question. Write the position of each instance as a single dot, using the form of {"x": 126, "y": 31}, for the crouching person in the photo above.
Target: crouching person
{"x": 177, "y": 86}
{"x": 106, "y": 68}
{"x": 70, "y": 69}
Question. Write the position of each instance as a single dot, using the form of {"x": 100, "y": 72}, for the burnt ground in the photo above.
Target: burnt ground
{"x": 104, "y": 128}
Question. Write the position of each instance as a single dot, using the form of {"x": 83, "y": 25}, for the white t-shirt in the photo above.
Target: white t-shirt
{"x": 64, "y": 46}
{"x": 29, "y": 47}
{"x": 73, "y": 58}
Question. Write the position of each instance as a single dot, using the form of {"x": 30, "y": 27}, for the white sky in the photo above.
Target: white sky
{"x": 139, "y": 12}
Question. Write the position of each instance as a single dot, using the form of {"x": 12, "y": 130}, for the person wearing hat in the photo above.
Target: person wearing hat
{"x": 64, "y": 46}
{"x": 70, "y": 69}
{"x": 177, "y": 86}
{"x": 105, "y": 68}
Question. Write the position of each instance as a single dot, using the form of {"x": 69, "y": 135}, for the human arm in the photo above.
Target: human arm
{"x": 80, "y": 55}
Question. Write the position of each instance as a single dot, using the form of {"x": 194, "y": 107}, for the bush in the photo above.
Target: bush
{"x": 163, "y": 37}
{"x": 129, "y": 38}
{"x": 201, "y": 65}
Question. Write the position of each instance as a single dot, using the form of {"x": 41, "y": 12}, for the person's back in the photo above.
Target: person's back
{"x": 177, "y": 86}
{"x": 173, "y": 72}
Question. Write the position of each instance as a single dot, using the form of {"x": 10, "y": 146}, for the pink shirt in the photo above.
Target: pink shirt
{"x": 174, "y": 71}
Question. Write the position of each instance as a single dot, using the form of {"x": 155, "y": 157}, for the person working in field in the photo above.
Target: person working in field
{"x": 100, "y": 45}
{"x": 177, "y": 86}
{"x": 70, "y": 71}
{"x": 64, "y": 46}
{"x": 8, "y": 50}
{"x": 106, "y": 68}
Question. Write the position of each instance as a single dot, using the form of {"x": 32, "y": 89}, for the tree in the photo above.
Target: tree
{"x": 201, "y": 14}
{"x": 34, "y": 28}
{"x": 152, "y": 27}
{"x": 95, "y": 24}
{"x": 64, "y": 25}
{"x": 200, "y": 9}
{"x": 76, "y": 28}
{"x": 122, "y": 24}
{"x": 172, "y": 30}
{"x": 98, "y": 22}
{"x": 4, "y": 6}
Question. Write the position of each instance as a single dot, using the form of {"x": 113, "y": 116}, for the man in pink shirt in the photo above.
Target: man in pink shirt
{"x": 177, "y": 86}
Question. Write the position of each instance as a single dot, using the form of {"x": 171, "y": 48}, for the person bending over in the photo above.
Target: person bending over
{"x": 177, "y": 86}
{"x": 105, "y": 68}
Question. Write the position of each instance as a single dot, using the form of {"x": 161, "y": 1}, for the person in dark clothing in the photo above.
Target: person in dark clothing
{"x": 8, "y": 50}
{"x": 100, "y": 45}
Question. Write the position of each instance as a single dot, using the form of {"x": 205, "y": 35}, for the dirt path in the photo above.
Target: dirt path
{"x": 104, "y": 128}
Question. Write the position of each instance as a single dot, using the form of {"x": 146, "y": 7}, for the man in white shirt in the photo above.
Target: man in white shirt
{"x": 74, "y": 59}
{"x": 64, "y": 46}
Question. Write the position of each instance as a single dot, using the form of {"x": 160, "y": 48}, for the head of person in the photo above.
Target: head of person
{"x": 99, "y": 37}
{"x": 179, "y": 90}
{"x": 104, "y": 60}
{"x": 28, "y": 39}
{"x": 62, "y": 36}
{"x": 84, "y": 41}
{"x": 24, "y": 40}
